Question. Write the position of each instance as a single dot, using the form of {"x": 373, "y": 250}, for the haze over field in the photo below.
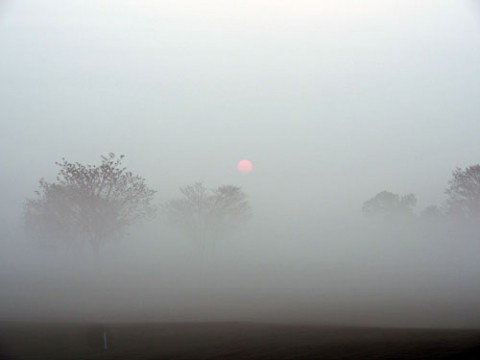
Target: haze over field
{"x": 332, "y": 101}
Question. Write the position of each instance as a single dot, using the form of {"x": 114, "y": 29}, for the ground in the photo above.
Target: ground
{"x": 24, "y": 340}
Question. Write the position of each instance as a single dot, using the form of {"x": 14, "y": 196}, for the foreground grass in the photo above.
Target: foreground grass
{"x": 21, "y": 340}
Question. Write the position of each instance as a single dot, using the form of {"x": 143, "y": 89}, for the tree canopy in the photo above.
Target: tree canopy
{"x": 207, "y": 214}
{"x": 88, "y": 203}
{"x": 464, "y": 192}
{"x": 386, "y": 203}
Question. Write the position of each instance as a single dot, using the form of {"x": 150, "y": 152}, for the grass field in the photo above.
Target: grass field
{"x": 22, "y": 340}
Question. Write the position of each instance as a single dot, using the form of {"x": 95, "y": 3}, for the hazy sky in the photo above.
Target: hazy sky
{"x": 333, "y": 101}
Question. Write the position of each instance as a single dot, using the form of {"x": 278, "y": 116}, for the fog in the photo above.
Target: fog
{"x": 332, "y": 101}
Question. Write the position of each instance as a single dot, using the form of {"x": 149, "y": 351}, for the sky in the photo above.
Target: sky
{"x": 332, "y": 101}
{"x": 341, "y": 99}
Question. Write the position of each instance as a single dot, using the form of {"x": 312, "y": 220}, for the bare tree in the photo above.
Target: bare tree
{"x": 88, "y": 202}
{"x": 464, "y": 192}
{"x": 386, "y": 203}
{"x": 208, "y": 214}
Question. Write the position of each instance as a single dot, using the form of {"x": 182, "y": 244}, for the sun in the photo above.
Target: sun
{"x": 244, "y": 166}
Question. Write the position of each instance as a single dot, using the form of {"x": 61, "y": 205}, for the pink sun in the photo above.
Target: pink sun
{"x": 244, "y": 166}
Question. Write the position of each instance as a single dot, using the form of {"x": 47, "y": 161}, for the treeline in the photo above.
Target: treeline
{"x": 96, "y": 203}
{"x": 462, "y": 202}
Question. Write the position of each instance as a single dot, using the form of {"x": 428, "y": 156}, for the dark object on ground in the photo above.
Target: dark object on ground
{"x": 233, "y": 341}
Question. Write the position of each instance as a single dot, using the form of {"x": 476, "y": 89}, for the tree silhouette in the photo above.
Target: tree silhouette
{"x": 464, "y": 192}
{"x": 208, "y": 214}
{"x": 386, "y": 203}
{"x": 88, "y": 203}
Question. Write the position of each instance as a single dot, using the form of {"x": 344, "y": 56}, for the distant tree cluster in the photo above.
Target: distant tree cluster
{"x": 95, "y": 203}
{"x": 463, "y": 199}
{"x": 387, "y": 203}
{"x": 207, "y": 214}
